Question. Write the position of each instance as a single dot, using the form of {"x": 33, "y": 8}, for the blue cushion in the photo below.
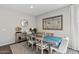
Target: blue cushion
{"x": 54, "y": 39}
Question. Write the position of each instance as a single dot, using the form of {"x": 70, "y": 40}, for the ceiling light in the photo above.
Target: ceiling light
{"x": 31, "y": 6}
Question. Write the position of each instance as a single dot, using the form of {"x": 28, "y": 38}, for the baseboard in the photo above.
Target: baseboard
{"x": 73, "y": 49}
{"x": 13, "y": 43}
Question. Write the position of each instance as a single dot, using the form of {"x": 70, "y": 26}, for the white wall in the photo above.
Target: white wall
{"x": 9, "y": 19}
{"x": 75, "y": 26}
{"x": 77, "y": 17}
{"x": 66, "y": 21}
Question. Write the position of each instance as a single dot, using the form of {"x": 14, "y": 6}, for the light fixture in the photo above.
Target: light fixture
{"x": 31, "y": 6}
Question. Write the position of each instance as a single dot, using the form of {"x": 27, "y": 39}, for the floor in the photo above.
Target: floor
{"x": 5, "y": 50}
{"x": 22, "y": 48}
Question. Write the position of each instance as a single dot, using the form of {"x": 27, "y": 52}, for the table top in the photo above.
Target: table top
{"x": 39, "y": 38}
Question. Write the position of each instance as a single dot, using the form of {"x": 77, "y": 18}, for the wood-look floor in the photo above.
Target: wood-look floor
{"x": 5, "y": 50}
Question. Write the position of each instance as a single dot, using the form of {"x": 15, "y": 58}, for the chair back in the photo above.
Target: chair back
{"x": 63, "y": 46}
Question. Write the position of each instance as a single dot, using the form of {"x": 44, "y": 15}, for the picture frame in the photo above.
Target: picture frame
{"x": 53, "y": 23}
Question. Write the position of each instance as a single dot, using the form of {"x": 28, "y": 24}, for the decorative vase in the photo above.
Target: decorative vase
{"x": 18, "y": 29}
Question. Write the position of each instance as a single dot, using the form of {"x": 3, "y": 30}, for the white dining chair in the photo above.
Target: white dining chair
{"x": 41, "y": 45}
{"x": 62, "y": 47}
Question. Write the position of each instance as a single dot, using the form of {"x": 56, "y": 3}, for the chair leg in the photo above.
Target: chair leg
{"x": 41, "y": 51}
{"x": 28, "y": 43}
{"x": 36, "y": 48}
{"x": 32, "y": 46}
{"x": 50, "y": 51}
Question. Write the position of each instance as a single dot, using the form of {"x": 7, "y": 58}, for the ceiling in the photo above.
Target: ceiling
{"x": 36, "y": 9}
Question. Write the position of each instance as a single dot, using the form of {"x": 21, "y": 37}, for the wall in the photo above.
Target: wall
{"x": 9, "y": 19}
{"x": 66, "y": 21}
{"x": 77, "y": 17}
{"x": 75, "y": 26}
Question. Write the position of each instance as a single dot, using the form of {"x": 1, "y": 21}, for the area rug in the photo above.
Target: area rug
{"x": 22, "y": 48}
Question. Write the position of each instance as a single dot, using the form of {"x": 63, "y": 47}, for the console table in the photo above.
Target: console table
{"x": 20, "y": 36}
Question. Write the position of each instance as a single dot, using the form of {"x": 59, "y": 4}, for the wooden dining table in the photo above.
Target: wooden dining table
{"x": 40, "y": 38}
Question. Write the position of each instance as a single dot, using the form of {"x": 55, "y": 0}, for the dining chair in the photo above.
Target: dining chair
{"x": 40, "y": 44}
{"x": 32, "y": 40}
{"x": 62, "y": 47}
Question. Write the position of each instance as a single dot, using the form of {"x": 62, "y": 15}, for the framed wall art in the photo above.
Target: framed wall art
{"x": 53, "y": 23}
